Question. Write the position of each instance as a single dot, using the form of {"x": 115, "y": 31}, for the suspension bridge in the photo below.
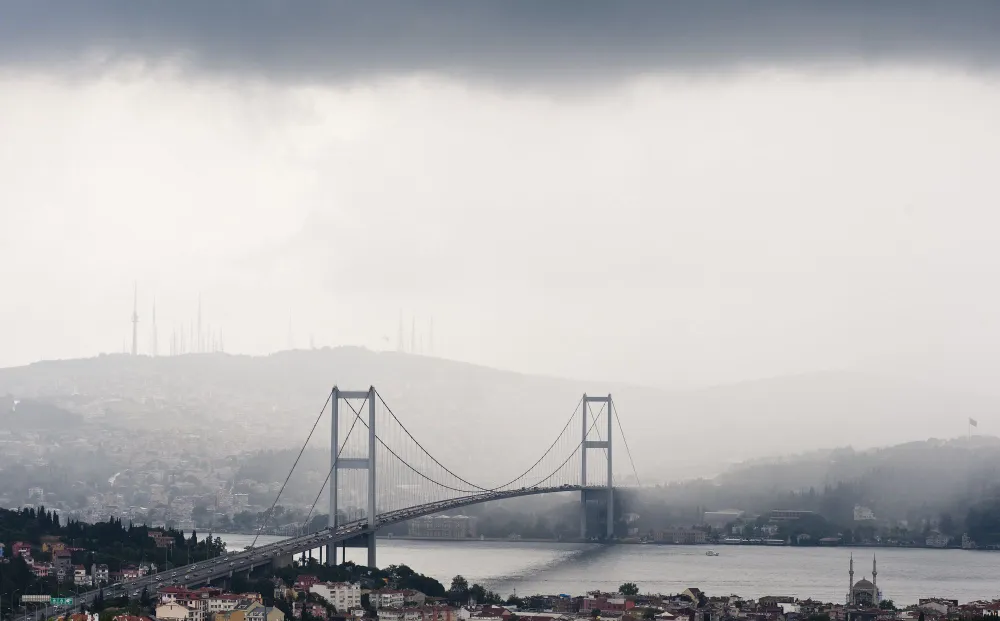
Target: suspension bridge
{"x": 381, "y": 475}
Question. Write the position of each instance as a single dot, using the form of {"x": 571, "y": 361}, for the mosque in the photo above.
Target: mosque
{"x": 863, "y": 593}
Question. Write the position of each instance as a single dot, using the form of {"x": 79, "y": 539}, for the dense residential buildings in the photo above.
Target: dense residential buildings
{"x": 420, "y": 613}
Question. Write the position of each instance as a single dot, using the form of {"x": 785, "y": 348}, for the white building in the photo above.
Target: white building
{"x": 863, "y": 514}
{"x": 173, "y": 612}
{"x": 719, "y": 519}
{"x": 342, "y": 595}
{"x": 387, "y": 598}
{"x": 937, "y": 540}
{"x": 80, "y": 577}
{"x": 223, "y": 603}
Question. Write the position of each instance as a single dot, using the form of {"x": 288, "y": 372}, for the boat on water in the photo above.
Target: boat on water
{"x": 711, "y": 553}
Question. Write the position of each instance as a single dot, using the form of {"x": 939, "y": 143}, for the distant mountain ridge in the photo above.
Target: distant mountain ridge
{"x": 478, "y": 418}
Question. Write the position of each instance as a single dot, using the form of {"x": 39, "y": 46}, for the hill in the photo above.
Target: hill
{"x": 478, "y": 418}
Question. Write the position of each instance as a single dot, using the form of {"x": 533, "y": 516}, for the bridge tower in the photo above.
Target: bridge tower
{"x": 338, "y": 463}
{"x": 596, "y": 444}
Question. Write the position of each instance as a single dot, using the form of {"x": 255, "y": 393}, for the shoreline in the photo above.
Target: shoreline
{"x": 718, "y": 545}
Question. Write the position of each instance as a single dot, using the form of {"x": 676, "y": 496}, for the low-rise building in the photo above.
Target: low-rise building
{"x": 603, "y": 603}
{"x": 443, "y": 527}
{"x": 80, "y": 576}
{"x": 937, "y": 540}
{"x": 315, "y": 610}
{"x": 62, "y": 560}
{"x": 863, "y": 514}
{"x": 173, "y": 612}
{"x": 100, "y": 573}
{"x": 341, "y": 595}
{"x": 719, "y": 519}
{"x": 387, "y": 598}
{"x": 223, "y": 602}
{"x": 419, "y": 613}
{"x": 681, "y": 536}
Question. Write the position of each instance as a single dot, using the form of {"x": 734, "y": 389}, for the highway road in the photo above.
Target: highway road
{"x": 246, "y": 560}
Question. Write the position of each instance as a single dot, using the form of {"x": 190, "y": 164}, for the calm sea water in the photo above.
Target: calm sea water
{"x": 748, "y": 571}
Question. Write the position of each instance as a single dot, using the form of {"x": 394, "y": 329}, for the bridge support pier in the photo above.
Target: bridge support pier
{"x": 597, "y": 444}
{"x": 363, "y": 463}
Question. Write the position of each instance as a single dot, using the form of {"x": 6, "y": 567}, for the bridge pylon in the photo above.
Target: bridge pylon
{"x": 586, "y": 445}
{"x": 338, "y": 463}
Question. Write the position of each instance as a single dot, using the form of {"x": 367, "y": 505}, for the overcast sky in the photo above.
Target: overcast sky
{"x": 676, "y": 194}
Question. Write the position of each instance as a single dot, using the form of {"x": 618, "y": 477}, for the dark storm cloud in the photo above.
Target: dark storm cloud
{"x": 520, "y": 39}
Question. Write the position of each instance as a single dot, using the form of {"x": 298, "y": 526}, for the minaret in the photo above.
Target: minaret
{"x": 413, "y": 334}
{"x": 850, "y": 583}
{"x": 135, "y": 319}
{"x": 874, "y": 581}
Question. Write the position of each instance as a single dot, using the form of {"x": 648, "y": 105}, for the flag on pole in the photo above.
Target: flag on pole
{"x": 973, "y": 422}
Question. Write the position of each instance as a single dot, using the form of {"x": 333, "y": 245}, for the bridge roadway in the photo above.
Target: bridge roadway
{"x": 245, "y": 561}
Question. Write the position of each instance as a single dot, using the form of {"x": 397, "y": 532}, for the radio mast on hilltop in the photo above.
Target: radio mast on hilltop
{"x": 135, "y": 319}
{"x": 154, "y": 346}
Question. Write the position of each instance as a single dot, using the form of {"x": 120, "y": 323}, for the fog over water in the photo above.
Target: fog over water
{"x": 749, "y": 571}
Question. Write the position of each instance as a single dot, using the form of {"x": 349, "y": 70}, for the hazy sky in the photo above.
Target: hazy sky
{"x": 669, "y": 193}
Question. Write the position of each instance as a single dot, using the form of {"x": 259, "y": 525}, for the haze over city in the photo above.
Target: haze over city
{"x": 391, "y": 296}
{"x": 678, "y": 197}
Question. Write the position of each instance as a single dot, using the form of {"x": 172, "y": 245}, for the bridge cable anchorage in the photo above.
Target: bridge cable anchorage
{"x": 627, "y": 450}
{"x": 329, "y": 472}
{"x": 302, "y": 450}
{"x": 481, "y": 488}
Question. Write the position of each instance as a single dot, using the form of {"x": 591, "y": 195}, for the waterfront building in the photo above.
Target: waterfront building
{"x": 443, "y": 527}
{"x": 720, "y": 519}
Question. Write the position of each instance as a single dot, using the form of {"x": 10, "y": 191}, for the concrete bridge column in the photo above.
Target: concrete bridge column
{"x": 354, "y": 463}
{"x": 583, "y": 473}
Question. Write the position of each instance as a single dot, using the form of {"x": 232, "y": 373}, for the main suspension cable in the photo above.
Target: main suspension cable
{"x": 357, "y": 416}
{"x": 405, "y": 463}
{"x": 484, "y": 489}
{"x": 302, "y": 450}
{"x": 627, "y": 450}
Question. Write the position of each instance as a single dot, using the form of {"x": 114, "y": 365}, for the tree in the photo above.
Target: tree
{"x": 458, "y": 583}
{"x": 887, "y": 604}
{"x": 594, "y": 612}
{"x": 649, "y": 613}
{"x": 629, "y": 588}
{"x": 459, "y": 591}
